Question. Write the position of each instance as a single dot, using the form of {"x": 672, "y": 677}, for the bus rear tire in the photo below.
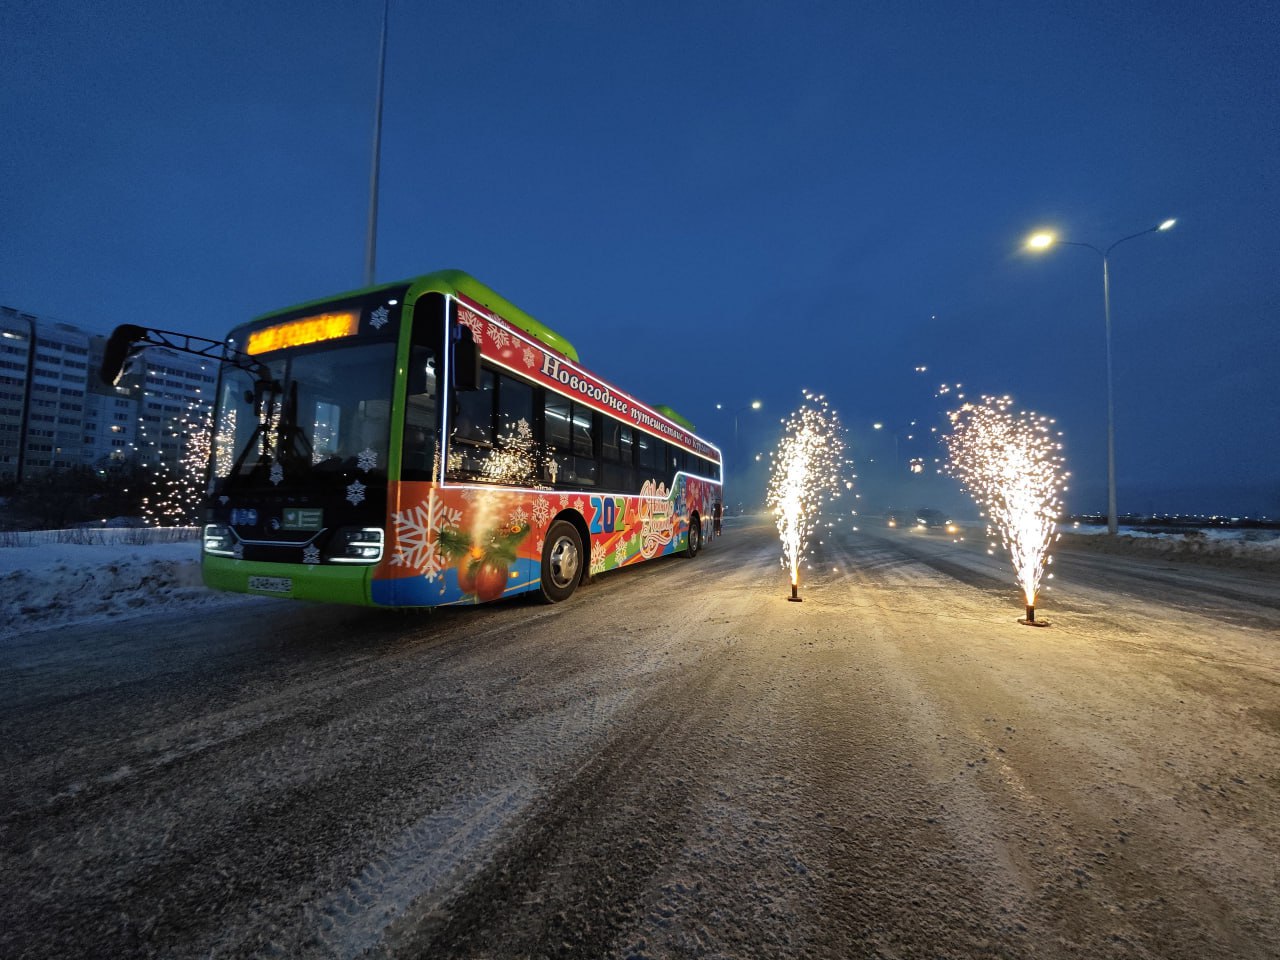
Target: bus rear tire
{"x": 695, "y": 537}
{"x": 561, "y": 562}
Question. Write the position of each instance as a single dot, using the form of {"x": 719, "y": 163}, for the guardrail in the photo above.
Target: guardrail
{"x": 98, "y": 536}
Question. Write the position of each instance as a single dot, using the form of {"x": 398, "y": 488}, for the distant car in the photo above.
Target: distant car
{"x": 893, "y": 517}
{"x": 927, "y": 518}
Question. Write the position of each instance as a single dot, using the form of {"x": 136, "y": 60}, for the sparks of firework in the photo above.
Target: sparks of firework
{"x": 806, "y": 472}
{"x": 1011, "y": 464}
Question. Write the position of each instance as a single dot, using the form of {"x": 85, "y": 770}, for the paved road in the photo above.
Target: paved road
{"x": 675, "y": 763}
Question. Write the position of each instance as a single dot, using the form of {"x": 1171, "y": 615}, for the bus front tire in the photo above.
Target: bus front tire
{"x": 695, "y": 537}
{"x": 561, "y": 562}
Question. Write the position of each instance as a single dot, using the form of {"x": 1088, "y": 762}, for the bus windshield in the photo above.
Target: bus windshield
{"x": 326, "y": 410}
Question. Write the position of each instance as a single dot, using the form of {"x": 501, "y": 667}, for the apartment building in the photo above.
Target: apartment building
{"x": 55, "y": 412}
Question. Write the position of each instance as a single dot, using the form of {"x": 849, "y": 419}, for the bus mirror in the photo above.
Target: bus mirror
{"x": 466, "y": 360}
{"x": 117, "y": 351}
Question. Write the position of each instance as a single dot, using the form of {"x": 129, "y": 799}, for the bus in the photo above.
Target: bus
{"x": 427, "y": 443}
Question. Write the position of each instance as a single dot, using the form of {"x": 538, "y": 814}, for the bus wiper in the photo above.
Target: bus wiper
{"x": 263, "y": 390}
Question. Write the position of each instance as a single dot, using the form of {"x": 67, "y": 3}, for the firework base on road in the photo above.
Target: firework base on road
{"x": 1030, "y": 619}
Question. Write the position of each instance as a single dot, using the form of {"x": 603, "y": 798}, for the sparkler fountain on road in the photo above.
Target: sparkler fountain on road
{"x": 805, "y": 474}
{"x": 1012, "y": 466}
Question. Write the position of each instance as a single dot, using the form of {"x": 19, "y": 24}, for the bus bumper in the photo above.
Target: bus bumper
{"x": 327, "y": 583}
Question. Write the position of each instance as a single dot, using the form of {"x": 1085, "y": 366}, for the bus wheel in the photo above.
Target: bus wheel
{"x": 561, "y": 562}
{"x": 695, "y": 537}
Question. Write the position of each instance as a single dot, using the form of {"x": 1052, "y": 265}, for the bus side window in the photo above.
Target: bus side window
{"x": 473, "y": 411}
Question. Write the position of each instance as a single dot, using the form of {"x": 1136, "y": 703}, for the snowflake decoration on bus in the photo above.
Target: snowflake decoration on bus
{"x": 541, "y": 512}
{"x": 520, "y": 516}
{"x": 581, "y": 506}
{"x": 378, "y": 319}
{"x": 472, "y": 322}
{"x": 277, "y": 474}
{"x": 310, "y": 553}
{"x": 530, "y": 357}
{"x": 620, "y": 553}
{"x": 418, "y": 531}
{"x": 598, "y": 556}
{"x": 238, "y": 551}
{"x": 367, "y": 459}
{"x": 355, "y": 493}
{"x": 499, "y": 336}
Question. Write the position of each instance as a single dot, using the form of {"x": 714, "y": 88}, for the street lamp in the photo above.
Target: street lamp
{"x": 753, "y": 405}
{"x": 1043, "y": 241}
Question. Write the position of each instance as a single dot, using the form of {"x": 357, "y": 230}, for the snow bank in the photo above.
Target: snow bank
{"x": 61, "y": 577}
{"x": 1215, "y": 546}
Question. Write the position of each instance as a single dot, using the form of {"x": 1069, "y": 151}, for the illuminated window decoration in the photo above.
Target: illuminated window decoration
{"x": 806, "y": 473}
{"x": 1012, "y": 467}
{"x": 310, "y": 553}
{"x": 297, "y": 333}
{"x": 355, "y": 492}
{"x": 277, "y": 473}
{"x": 367, "y": 459}
{"x": 515, "y": 458}
{"x": 378, "y": 318}
{"x": 224, "y": 443}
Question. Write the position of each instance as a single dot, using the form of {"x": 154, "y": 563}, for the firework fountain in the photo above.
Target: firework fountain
{"x": 1011, "y": 465}
{"x": 805, "y": 474}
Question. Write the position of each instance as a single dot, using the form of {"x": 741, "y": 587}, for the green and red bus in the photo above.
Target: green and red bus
{"x": 427, "y": 443}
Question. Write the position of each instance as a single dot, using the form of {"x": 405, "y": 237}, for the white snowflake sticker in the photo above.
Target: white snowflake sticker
{"x": 367, "y": 459}
{"x": 499, "y": 336}
{"x": 472, "y": 322}
{"x": 310, "y": 553}
{"x": 277, "y": 473}
{"x": 355, "y": 492}
{"x": 541, "y": 512}
{"x": 417, "y": 533}
{"x": 378, "y": 319}
{"x": 238, "y": 551}
{"x": 530, "y": 357}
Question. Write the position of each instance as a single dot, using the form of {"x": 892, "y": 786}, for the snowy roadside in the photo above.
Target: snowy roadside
{"x": 1215, "y": 546}
{"x": 50, "y": 583}
{"x": 58, "y": 578}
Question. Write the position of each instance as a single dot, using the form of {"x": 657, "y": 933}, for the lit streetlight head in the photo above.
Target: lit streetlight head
{"x": 755, "y": 404}
{"x": 1167, "y": 225}
{"x": 1041, "y": 241}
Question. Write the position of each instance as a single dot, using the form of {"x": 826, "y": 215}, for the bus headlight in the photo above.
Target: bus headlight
{"x": 219, "y": 540}
{"x": 355, "y": 545}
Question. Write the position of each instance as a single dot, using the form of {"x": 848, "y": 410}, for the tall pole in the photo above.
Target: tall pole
{"x": 1042, "y": 241}
{"x": 1113, "y": 521}
{"x": 371, "y": 246}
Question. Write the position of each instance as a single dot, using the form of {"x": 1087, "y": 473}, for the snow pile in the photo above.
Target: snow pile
{"x": 1216, "y": 546}
{"x": 47, "y": 582}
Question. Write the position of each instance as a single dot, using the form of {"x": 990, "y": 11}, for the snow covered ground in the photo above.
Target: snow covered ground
{"x": 58, "y": 577}
{"x": 73, "y": 576}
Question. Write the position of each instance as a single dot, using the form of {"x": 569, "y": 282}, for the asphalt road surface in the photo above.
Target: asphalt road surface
{"x": 676, "y": 763}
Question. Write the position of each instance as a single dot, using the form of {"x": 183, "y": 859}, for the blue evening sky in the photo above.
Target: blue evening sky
{"x": 716, "y": 202}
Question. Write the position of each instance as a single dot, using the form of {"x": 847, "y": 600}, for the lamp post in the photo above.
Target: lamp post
{"x": 1043, "y": 241}
{"x": 753, "y": 405}
{"x": 371, "y": 240}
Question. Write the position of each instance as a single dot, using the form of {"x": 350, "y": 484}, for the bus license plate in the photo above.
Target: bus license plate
{"x": 271, "y": 584}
